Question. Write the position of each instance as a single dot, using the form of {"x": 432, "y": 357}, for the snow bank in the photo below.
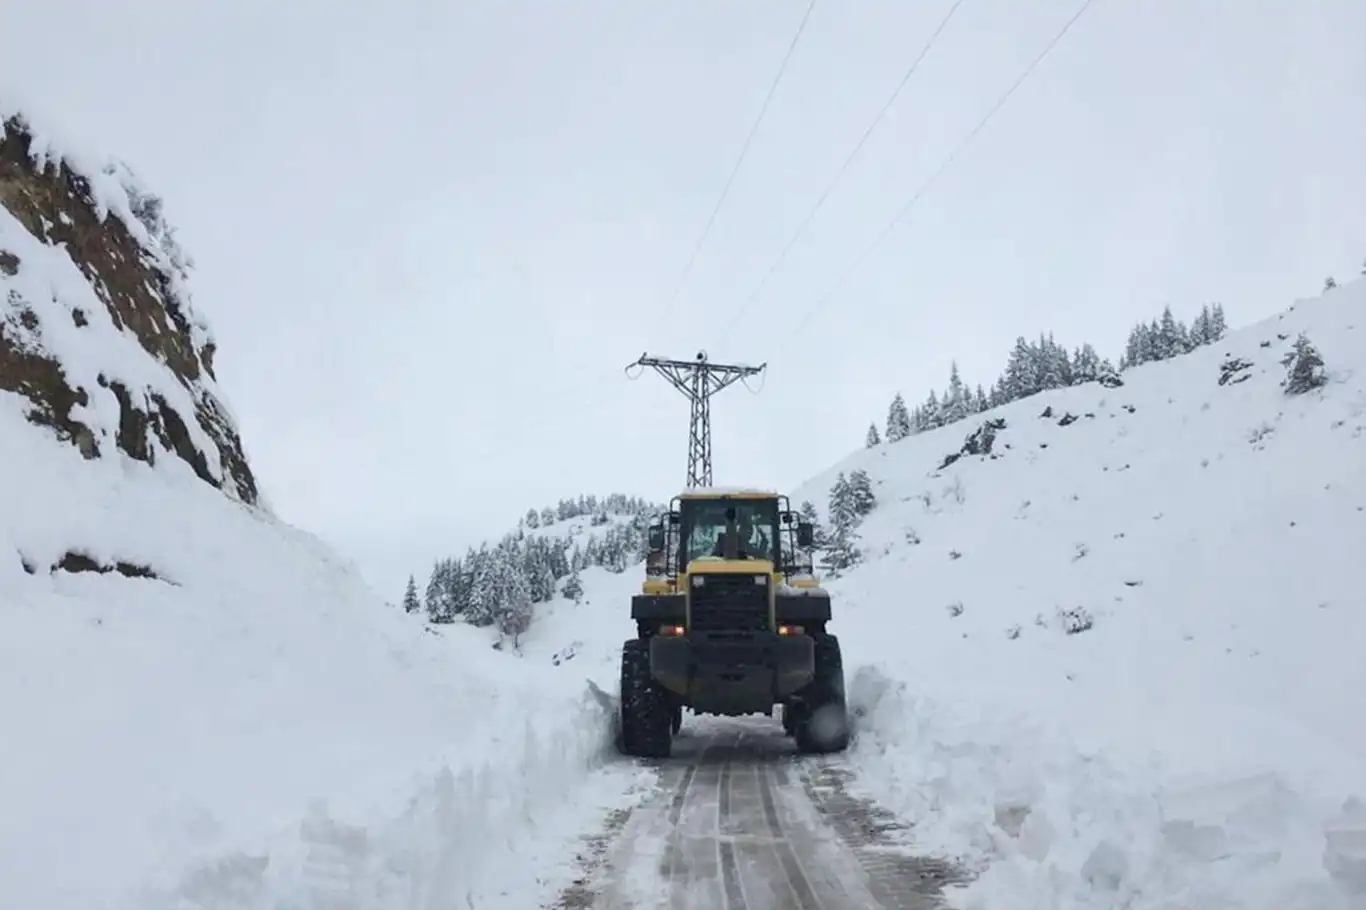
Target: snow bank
{"x": 1050, "y": 826}
{"x": 202, "y": 707}
{"x": 1139, "y": 618}
{"x": 223, "y": 726}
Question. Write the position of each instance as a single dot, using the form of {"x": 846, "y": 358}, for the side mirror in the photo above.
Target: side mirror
{"x": 656, "y": 539}
{"x": 806, "y": 535}
{"x": 785, "y": 518}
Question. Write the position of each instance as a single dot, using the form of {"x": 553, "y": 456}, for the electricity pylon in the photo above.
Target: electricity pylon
{"x": 698, "y": 380}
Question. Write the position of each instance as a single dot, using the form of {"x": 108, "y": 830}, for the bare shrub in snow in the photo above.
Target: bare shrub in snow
{"x": 1260, "y": 432}
{"x": 912, "y": 536}
{"x": 955, "y": 491}
{"x": 1013, "y": 632}
{"x": 1305, "y": 370}
{"x": 1075, "y": 620}
{"x": 955, "y": 609}
{"x": 1080, "y": 551}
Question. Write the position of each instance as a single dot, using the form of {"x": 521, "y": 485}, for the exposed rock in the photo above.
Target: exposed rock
{"x": 80, "y": 562}
{"x": 135, "y": 272}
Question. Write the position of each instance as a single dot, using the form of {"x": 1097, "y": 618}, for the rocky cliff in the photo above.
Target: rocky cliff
{"x": 97, "y": 333}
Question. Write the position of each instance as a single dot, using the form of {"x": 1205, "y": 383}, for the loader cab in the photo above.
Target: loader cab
{"x": 713, "y": 526}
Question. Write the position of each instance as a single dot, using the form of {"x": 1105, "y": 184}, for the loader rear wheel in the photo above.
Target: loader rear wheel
{"x": 821, "y": 722}
{"x": 647, "y": 716}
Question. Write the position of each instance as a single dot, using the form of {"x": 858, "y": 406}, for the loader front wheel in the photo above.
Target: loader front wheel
{"x": 822, "y": 723}
{"x": 647, "y": 717}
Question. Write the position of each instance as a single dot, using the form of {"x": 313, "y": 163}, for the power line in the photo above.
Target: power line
{"x": 811, "y": 216}
{"x": 943, "y": 167}
{"x": 739, "y": 161}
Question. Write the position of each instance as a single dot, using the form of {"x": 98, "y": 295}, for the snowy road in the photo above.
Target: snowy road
{"x": 743, "y": 823}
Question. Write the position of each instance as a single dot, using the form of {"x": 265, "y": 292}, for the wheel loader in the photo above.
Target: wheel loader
{"x": 731, "y": 621}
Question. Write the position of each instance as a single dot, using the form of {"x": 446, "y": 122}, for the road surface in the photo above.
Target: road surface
{"x": 741, "y": 822}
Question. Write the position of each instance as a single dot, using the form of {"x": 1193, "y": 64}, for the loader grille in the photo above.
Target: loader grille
{"x": 729, "y": 603}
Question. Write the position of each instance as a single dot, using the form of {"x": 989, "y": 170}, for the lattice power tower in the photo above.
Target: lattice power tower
{"x": 698, "y": 380}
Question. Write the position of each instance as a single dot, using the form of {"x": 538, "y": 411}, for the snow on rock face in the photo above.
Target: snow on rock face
{"x": 96, "y": 329}
{"x": 1115, "y": 657}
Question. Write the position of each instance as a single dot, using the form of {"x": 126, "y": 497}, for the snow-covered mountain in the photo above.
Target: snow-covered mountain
{"x": 1103, "y": 643}
{"x": 201, "y": 706}
{"x": 1107, "y": 650}
{"x": 1109, "y": 640}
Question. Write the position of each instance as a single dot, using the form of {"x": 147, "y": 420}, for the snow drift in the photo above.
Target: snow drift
{"x": 201, "y": 706}
{"x": 1116, "y": 660}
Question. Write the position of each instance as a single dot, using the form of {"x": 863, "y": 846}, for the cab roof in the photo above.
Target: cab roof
{"x": 727, "y": 493}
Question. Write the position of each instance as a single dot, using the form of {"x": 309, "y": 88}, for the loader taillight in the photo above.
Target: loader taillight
{"x": 672, "y": 630}
{"x": 790, "y": 630}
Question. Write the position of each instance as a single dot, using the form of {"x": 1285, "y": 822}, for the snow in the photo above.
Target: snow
{"x": 259, "y": 699}
{"x": 1197, "y": 744}
{"x": 252, "y": 727}
{"x": 1118, "y": 665}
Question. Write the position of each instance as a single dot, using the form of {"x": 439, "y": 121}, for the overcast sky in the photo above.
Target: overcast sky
{"x": 430, "y": 235}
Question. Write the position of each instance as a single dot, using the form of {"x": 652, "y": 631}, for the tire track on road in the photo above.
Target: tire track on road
{"x": 802, "y": 893}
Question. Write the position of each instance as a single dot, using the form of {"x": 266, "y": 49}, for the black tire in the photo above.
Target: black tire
{"x": 822, "y": 723}
{"x": 791, "y": 711}
{"x": 646, "y": 713}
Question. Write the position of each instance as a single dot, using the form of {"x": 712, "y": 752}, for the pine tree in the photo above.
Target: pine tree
{"x": 410, "y": 602}
{"x": 933, "y": 412}
{"x": 1217, "y": 327}
{"x": 1304, "y": 368}
{"x": 1329, "y": 283}
{"x": 1086, "y": 367}
{"x": 861, "y": 499}
{"x": 1201, "y": 328}
{"x": 898, "y": 421}
{"x": 980, "y": 402}
{"x": 1169, "y": 336}
{"x": 872, "y": 438}
{"x": 808, "y": 513}
{"x": 841, "y": 550}
{"x": 533, "y": 519}
{"x": 573, "y": 587}
{"x": 956, "y": 403}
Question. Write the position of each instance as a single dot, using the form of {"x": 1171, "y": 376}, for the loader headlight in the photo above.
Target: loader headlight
{"x": 761, "y": 579}
{"x": 698, "y": 580}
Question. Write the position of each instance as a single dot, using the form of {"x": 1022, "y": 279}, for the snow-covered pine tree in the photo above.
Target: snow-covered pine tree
{"x": 1304, "y": 368}
{"x": 1200, "y": 328}
{"x": 861, "y": 498}
{"x": 956, "y": 402}
{"x": 432, "y": 596}
{"x": 573, "y": 587}
{"x": 1329, "y": 283}
{"x": 872, "y": 439}
{"x": 933, "y": 411}
{"x": 1086, "y": 365}
{"x": 841, "y": 549}
{"x": 1172, "y": 336}
{"x": 1217, "y": 327}
{"x": 808, "y": 513}
{"x": 410, "y": 602}
{"x": 979, "y": 401}
{"x": 898, "y": 420}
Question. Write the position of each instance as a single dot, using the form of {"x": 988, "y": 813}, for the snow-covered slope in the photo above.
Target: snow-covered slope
{"x": 1136, "y": 627}
{"x": 202, "y": 707}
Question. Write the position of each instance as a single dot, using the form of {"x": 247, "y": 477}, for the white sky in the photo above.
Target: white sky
{"x": 430, "y": 235}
